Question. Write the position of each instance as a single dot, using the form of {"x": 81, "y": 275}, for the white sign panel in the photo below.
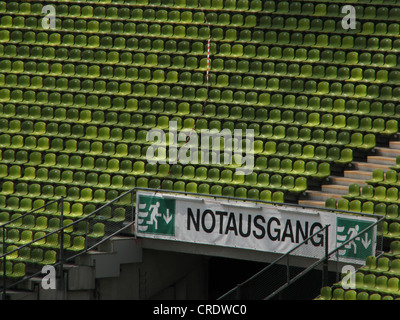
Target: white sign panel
{"x": 248, "y": 225}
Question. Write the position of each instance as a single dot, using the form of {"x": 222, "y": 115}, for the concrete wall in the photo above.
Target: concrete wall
{"x": 161, "y": 275}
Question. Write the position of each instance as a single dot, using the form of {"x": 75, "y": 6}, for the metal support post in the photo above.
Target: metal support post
{"x": 326, "y": 265}
{"x": 61, "y": 281}
{"x": 4, "y": 265}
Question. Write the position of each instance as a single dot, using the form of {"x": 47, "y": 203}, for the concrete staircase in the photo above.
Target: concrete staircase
{"x": 360, "y": 172}
{"x": 81, "y": 278}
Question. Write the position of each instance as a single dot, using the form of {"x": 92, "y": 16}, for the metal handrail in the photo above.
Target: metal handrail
{"x": 274, "y": 262}
{"x": 87, "y": 217}
{"x": 325, "y": 258}
{"x": 71, "y": 257}
{"x": 66, "y": 226}
{"x": 28, "y": 213}
{"x": 61, "y": 229}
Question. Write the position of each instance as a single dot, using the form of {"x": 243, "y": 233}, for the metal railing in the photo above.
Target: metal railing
{"x": 324, "y": 261}
{"x": 254, "y": 288}
{"x": 126, "y": 201}
{"x": 99, "y": 216}
{"x": 260, "y": 285}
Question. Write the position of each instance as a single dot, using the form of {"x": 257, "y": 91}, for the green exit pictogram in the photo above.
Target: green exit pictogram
{"x": 156, "y": 215}
{"x": 360, "y": 247}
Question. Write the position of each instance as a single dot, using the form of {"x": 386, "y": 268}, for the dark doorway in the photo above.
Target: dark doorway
{"x": 225, "y": 274}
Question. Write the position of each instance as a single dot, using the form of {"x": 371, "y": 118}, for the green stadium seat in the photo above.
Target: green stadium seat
{"x": 76, "y": 102}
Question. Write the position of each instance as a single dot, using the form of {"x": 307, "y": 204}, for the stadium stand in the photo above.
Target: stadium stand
{"x": 77, "y": 101}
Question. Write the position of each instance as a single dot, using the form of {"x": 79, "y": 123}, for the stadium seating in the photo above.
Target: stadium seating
{"x": 377, "y": 280}
{"x": 76, "y": 104}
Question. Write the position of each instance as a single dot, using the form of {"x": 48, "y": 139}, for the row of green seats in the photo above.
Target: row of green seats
{"x": 305, "y": 152}
{"x": 64, "y": 76}
{"x": 88, "y": 187}
{"x": 109, "y": 149}
{"x": 327, "y": 293}
{"x": 299, "y": 23}
{"x": 23, "y": 203}
{"x": 116, "y": 9}
{"x": 274, "y": 183}
{"x": 352, "y": 109}
{"x": 71, "y": 243}
{"x": 87, "y": 169}
{"x": 105, "y": 28}
{"x": 356, "y": 205}
{"x": 323, "y": 113}
{"x": 275, "y": 195}
{"x": 377, "y": 283}
{"x": 293, "y": 167}
{"x": 258, "y": 192}
{"x": 189, "y": 93}
{"x": 95, "y": 46}
{"x": 35, "y": 73}
{"x": 332, "y": 9}
{"x": 72, "y": 155}
{"x": 25, "y": 135}
{"x": 50, "y": 158}
{"x": 388, "y": 194}
{"x": 382, "y": 265}
{"x": 371, "y": 283}
{"x": 161, "y": 15}
{"x": 284, "y": 69}
{"x": 164, "y": 54}
{"x": 152, "y": 66}
{"x": 65, "y": 146}
{"x": 48, "y": 219}
{"x": 23, "y": 237}
{"x": 385, "y": 178}
{"x": 391, "y": 230}
{"x": 100, "y": 195}
{"x": 286, "y": 113}
{"x": 13, "y": 207}
{"x": 53, "y": 121}
{"x": 66, "y": 79}
{"x": 50, "y": 223}
{"x": 394, "y": 250}
{"x": 327, "y": 24}
{"x": 283, "y": 7}
{"x": 35, "y": 255}
{"x": 186, "y": 37}
{"x": 120, "y": 54}
{"x": 13, "y": 269}
{"x": 51, "y": 128}
{"x": 79, "y": 77}
{"x": 52, "y": 241}
{"x": 317, "y": 153}
{"x": 170, "y": 25}
{"x": 168, "y": 54}
{"x": 389, "y": 210}
{"x": 56, "y": 190}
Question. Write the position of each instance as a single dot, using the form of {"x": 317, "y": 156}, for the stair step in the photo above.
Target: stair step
{"x": 387, "y": 152}
{"x": 388, "y": 161}
{"x": 394, "y": 144}
{"x": 312, "y": 203}
{"x": 358, "y": 174}
{"x": 363, "y": 166}
{"x": 344, "y": 181}
{"x": 322, "y": 196}
{"x": 21, "y": 295}
{"x": 335, "y": 189}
